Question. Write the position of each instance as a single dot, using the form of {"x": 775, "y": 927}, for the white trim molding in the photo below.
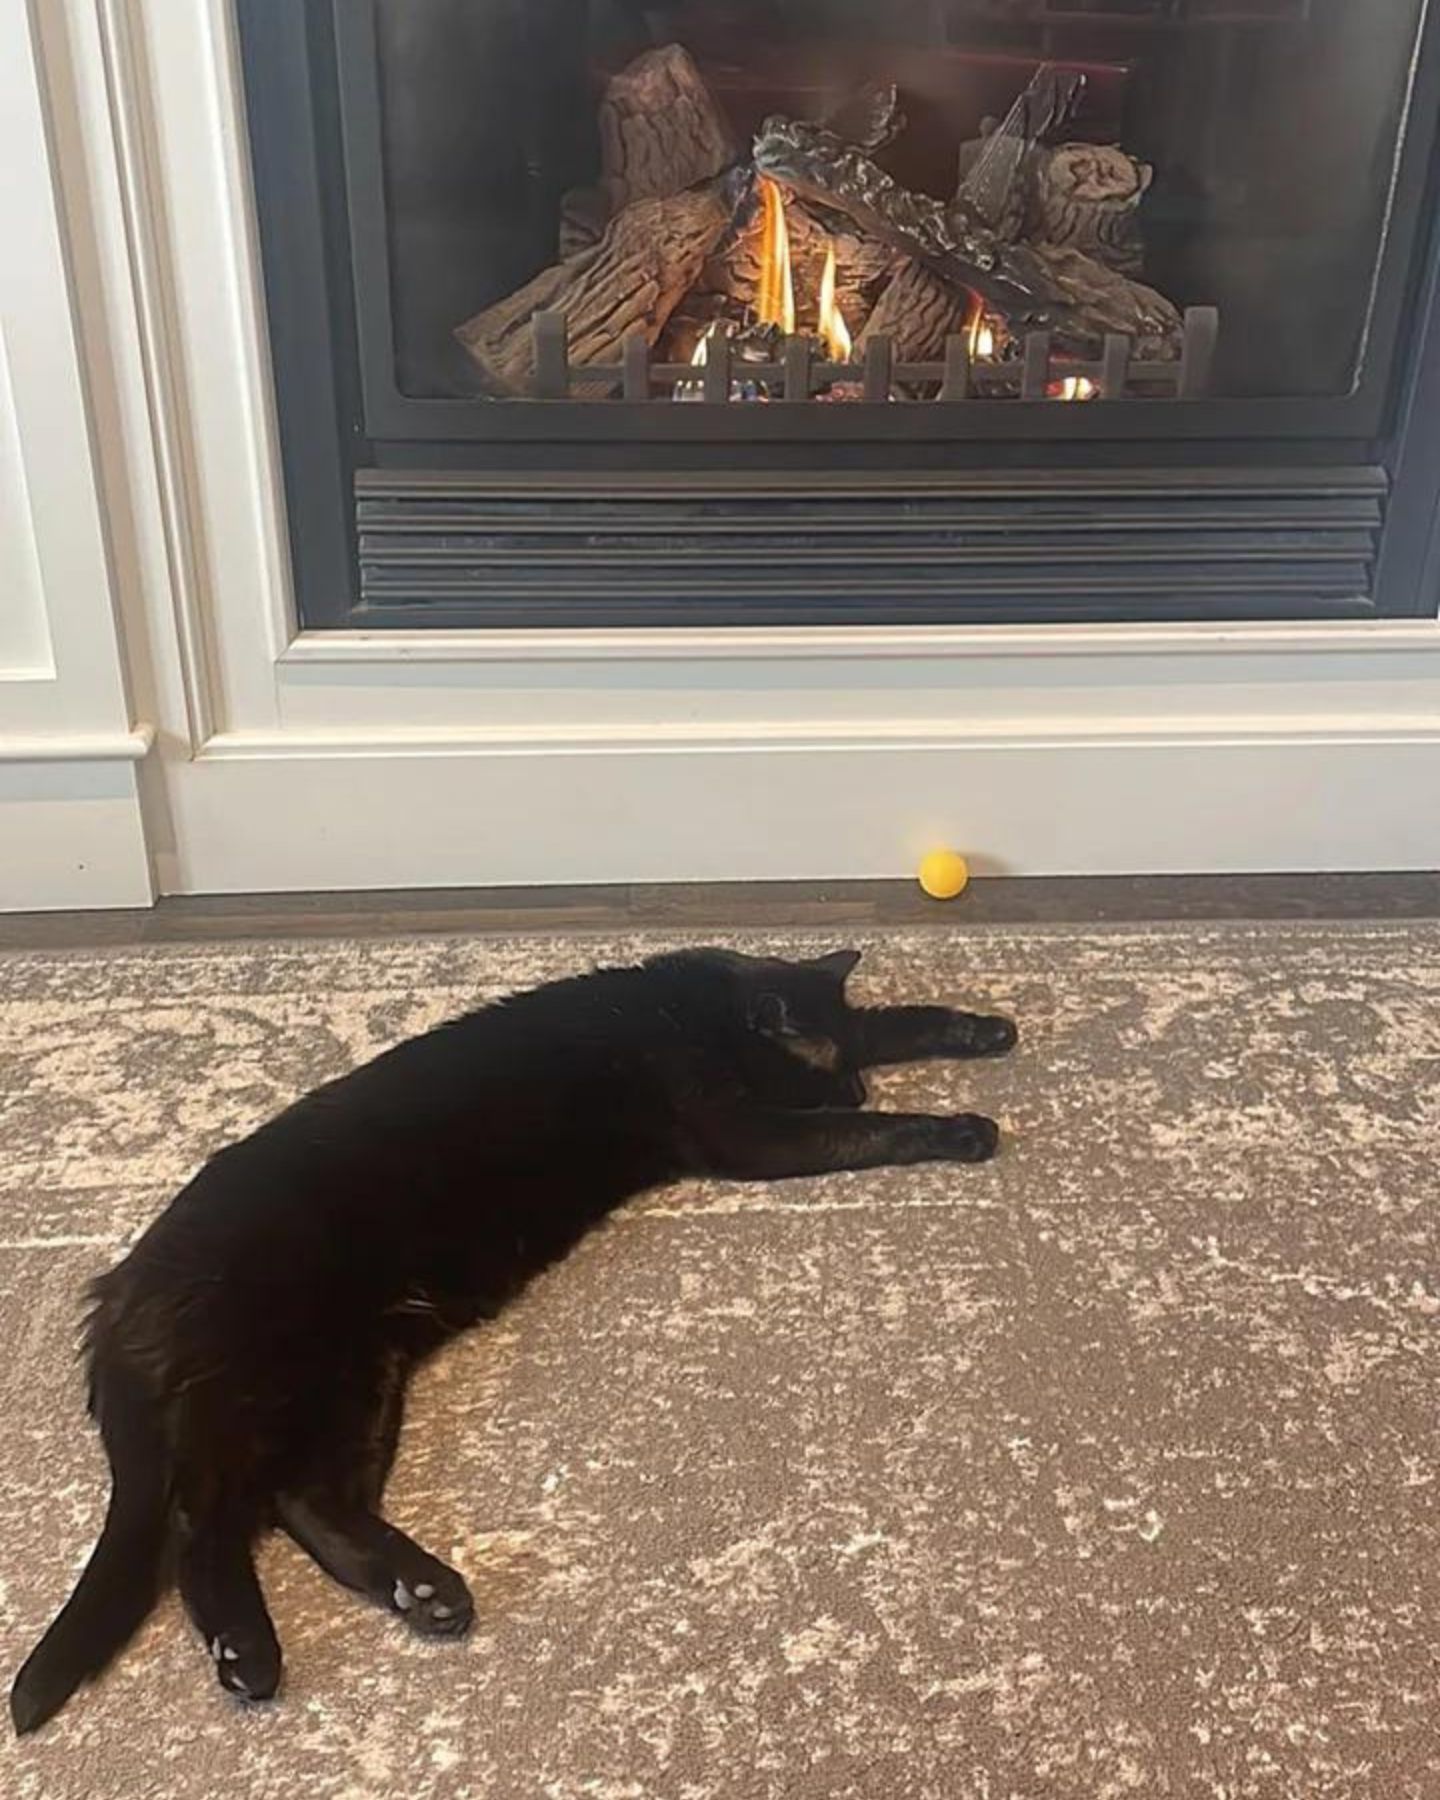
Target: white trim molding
{"x": 1342, "y": 637}
{"x": 291, "y": 760}
{"x": 97, "y": 747}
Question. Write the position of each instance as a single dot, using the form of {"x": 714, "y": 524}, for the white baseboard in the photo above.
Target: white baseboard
{"x": 71, "y": 832}
{"x": 504, "y": 806}
{"x": 347, "y": 813}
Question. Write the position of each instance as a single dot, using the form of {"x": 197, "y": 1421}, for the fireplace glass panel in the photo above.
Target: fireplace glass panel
{"x": 1235, "y": 154}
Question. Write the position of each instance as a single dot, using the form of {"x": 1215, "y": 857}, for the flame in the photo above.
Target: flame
{"x": 692, "y": 387}
{"x": 981, "y": 333}
{"x": 775, "y": 299}
{"x": 834, "y": 332}
{"x": 1077, "y": 387}
{"x": 775, "y": 291}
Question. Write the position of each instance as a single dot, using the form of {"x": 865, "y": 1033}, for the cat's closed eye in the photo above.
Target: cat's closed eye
{"x": 814, "y": 1052}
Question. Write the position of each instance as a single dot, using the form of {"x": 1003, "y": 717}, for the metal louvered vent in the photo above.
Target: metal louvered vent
{"x": 441, "y": 548}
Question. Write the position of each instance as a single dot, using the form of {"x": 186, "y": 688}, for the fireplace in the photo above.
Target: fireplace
{"x": 615, "y": 312}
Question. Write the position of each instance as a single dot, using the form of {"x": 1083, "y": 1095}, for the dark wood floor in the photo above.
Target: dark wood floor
{"x": 734, "y": 906}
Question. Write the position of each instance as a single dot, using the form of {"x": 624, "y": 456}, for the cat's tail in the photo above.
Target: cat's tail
{"x": 121, "y": 1582}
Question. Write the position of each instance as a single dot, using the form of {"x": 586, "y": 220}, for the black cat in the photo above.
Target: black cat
{"x": 248, "y": 1359}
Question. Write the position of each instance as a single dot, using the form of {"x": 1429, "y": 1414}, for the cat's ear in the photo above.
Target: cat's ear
{"x": 839, "y": 963}
{"x": 770, "y": 1015}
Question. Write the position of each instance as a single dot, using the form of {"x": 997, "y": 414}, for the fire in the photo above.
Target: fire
{"x": 775, "y": 294}
{"x": 693, "y": 388}
{"x": 775, "y": 301}
{"x": 774, "y": 307}
{"x": 833, "y": 330}
{"x": 982, "y": 334}
{"x": 702, "y": 348}
{"x": 1077, "y": 387}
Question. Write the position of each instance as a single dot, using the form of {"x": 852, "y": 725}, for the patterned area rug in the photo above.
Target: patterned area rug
{"x": 1107, "y": 1469}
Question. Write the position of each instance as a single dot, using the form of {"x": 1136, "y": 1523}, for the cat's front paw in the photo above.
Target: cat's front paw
{"x": 987, "y": 1034}
{"x": 968, "y": 1138}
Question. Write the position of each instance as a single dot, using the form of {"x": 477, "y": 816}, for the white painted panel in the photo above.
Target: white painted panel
{"x": 49, "y": 475}
{"x": 71, "y": 831}
{"x": 24, "y": 635}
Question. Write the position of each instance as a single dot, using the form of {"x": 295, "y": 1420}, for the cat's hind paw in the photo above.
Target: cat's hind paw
{"x": 438, "y": 1606}
{"x": 247, "y": 1663}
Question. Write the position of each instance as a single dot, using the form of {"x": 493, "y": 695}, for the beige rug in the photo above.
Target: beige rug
{"x": 1109, "y": 1469}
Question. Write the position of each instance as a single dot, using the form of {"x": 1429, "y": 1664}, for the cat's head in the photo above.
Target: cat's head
{"x": 793, "y": 1032}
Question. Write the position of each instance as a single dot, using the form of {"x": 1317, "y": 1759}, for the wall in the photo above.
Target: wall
{"x": 286, "y": 761}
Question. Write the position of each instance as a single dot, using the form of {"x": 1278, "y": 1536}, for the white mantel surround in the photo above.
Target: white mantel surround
{"x": 164, "y": 726}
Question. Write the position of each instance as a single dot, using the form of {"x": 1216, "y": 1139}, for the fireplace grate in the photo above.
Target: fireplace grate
{"x": 798, "y": 373}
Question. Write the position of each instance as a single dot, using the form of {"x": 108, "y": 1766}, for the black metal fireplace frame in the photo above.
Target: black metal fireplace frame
{"x": 383, "y": 486}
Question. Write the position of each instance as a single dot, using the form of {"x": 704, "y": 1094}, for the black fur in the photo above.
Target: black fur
{"x": 249, "y": 1357}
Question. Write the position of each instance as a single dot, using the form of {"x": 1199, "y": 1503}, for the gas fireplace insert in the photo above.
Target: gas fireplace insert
{"x": 613, "y": 312}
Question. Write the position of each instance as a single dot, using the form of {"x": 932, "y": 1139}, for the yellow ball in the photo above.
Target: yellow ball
{"x": 944, "y": 874}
